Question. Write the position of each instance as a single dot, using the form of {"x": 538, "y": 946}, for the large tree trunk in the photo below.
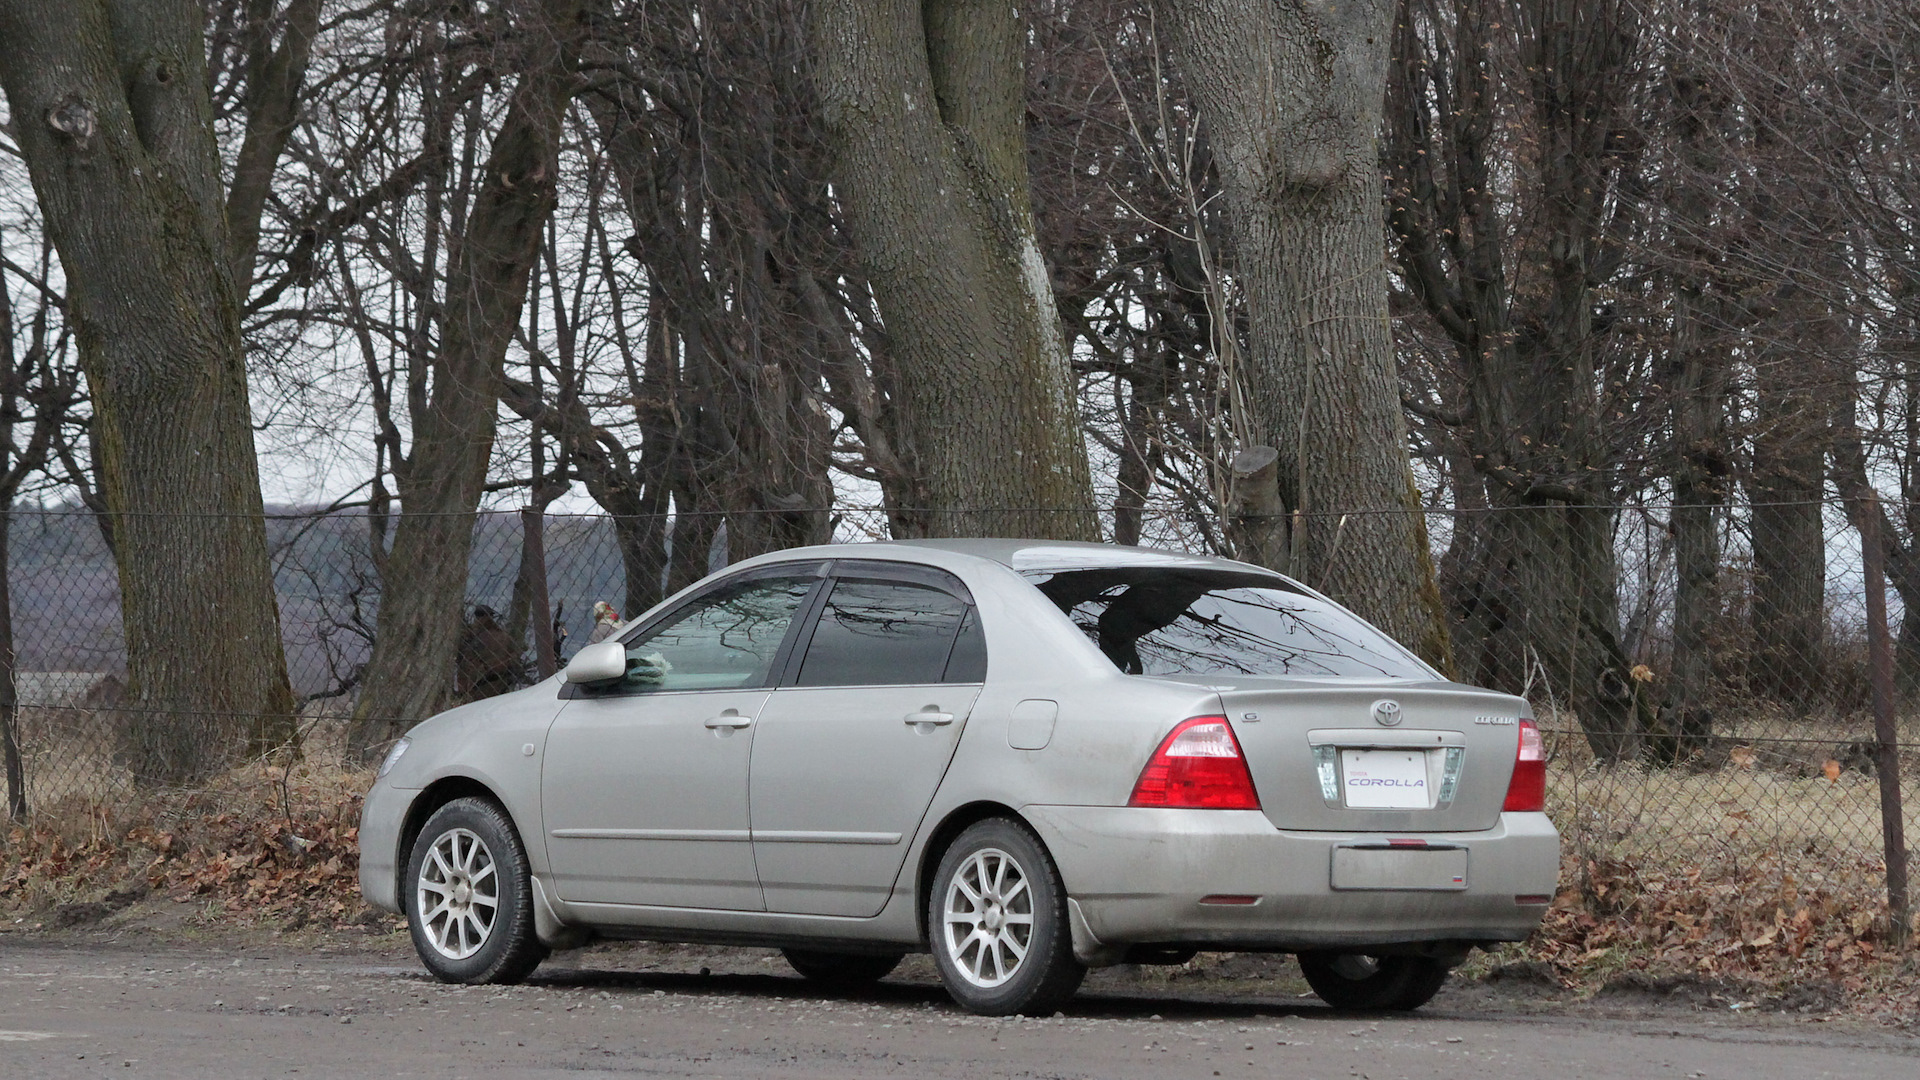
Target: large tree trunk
{"x": 925, "y": 103}
{"x": 110, "y": 109}
{"x": 1694, "y": 375}
{"x": 424, "y": 579}
{"x": 1292, "y": 94}
{"x": 1789, "y": 537}
{"x": 1791, "y": 214}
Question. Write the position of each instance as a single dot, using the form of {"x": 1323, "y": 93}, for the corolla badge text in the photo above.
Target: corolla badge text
{"x": 1497, "y": 721}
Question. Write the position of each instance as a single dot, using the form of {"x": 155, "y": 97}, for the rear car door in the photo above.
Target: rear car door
{"x": 644, "y": 787}
{"x": 848, "y": 752}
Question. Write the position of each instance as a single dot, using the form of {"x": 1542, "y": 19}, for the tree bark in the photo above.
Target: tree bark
{"x": 424, "y": 579}
{"x": 1292, "y": 93}
{"x": 1798, "y": 335}
{"x": 1694, "y": 377}
{"x": 924, "y": 103}
{"x": 110, "y": 108}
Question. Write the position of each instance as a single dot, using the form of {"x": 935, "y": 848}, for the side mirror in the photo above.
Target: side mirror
{"x": 600, "y": 662}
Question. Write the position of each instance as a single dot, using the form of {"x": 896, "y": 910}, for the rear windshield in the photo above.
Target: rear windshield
{"x": 1153, "y": 620}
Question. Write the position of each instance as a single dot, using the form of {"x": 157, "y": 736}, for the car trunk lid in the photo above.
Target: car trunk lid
{"x": 1392, "y": 755}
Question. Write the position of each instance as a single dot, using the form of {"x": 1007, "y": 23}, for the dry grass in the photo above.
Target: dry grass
{"x": 1761, "y": 865}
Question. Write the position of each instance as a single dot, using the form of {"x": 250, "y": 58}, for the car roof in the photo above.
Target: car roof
{"x": 1059, "y": 554}
{"x": 1020, "y": 554}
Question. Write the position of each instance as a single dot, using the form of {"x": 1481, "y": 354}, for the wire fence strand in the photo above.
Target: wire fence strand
{"x": 1703, "y": 689}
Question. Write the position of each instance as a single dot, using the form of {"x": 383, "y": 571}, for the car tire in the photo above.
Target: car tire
{"x": 841, "y": 970}
{"x": 997, "y": 923}
{"x": 464, "y": 931}
{"x": 1360, "y": 982}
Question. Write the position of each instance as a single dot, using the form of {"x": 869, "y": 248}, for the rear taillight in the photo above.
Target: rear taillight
{"x": 1198, "y": 766}
{"x": 1528, "y": 789}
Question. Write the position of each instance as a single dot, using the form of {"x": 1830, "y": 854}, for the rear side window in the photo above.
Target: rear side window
{"x": 1152, "y": 620}
{"x": 883, "y": 633}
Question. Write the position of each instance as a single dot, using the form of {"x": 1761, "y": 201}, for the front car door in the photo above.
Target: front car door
{"x": 644, "y": 787}
{"x": 847, "y": 754}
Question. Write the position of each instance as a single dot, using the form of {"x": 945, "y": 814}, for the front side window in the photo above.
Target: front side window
{"x": 1152, "y": 620}
{"x": 882, "y": 633}
{"x": 725, "y": 640}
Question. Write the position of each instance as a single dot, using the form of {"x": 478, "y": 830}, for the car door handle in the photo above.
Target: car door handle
{"x": 930, "y": 717}
{"x": 729, "y": 720}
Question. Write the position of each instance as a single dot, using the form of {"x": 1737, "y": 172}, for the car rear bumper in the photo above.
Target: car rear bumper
{"x": 1139, "y": 875}
{"x": 381, "y": 817}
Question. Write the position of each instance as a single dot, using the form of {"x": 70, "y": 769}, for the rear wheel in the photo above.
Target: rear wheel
{"x": 997, "y": 920}
{"x": 1359, "y": 981}
{"x": 469, "y": 896}
{"x": 842, "y": 970}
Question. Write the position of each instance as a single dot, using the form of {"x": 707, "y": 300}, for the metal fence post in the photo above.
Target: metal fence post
{"x": 1886, "y": 736}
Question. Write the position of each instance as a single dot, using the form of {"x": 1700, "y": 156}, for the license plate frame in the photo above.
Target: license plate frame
{"x": 1387, "y": 868}
{"x": 1386, "y": 778}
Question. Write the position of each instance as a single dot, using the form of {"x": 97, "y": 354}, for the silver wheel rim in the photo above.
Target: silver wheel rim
{"x": 457, "y": 896}
{"x": 988, "y": 918}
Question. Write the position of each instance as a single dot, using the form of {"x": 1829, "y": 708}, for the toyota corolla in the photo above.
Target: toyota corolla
{"x": 1027, "y": 758}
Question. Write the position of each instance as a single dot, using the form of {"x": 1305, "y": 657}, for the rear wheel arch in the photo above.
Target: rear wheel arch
{"x": 956, "y": 822}
{"x": 433, "y": 797}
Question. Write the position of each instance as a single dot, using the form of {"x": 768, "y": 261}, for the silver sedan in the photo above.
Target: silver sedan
{"x": 1028, "y": 758}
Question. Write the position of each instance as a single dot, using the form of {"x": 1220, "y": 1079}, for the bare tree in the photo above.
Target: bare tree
{"x": 1507, "y": 270}
{"x": 925, "y": 107}
{"x": 39, "y": 388}
{"x": 110, "y": 108}
{"x": 1292, "y": 96}
{"x": 1695, "y": 377}
{"x": 453, "y": 387}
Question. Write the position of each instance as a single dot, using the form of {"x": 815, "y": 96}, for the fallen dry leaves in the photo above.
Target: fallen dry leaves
{"x": 247, "y": 848}
{"x": 1752, "y": 923}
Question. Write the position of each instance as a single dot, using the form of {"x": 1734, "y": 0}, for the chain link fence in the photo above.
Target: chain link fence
{"x": 1702, "y": 675}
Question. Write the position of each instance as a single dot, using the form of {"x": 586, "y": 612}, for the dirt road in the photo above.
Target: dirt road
{"x": 133, "y": 1008}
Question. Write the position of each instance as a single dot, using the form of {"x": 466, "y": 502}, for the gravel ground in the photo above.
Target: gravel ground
{"x": 136, "y": 1005}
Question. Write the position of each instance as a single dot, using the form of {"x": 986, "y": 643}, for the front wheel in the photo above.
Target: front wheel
{"x": 469, "y": 896}
{"x": 1360, "y": 982}
{"x": 997, "y": 920}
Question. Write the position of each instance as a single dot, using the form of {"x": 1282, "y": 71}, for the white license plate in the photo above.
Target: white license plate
{"x": 1400, "y": 869}
{"x": 1385, "y": 779}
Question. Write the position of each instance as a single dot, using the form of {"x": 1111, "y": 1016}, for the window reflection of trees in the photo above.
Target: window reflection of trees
{"x": 1158, "y": 622}
{"x": 899, "y": 612}
{"x": 738, "y": 630}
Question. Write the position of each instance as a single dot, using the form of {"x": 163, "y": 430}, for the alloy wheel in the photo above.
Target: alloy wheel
{"x": 457, "y": 894}
{"x": 988, "y": 917}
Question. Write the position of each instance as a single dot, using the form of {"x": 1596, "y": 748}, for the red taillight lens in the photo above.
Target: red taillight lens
{"x": 1198, "y": 766}
{"x": 1528, "y": 789}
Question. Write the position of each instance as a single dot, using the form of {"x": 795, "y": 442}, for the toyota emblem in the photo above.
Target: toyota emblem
{"x": 1386, "y": 713}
